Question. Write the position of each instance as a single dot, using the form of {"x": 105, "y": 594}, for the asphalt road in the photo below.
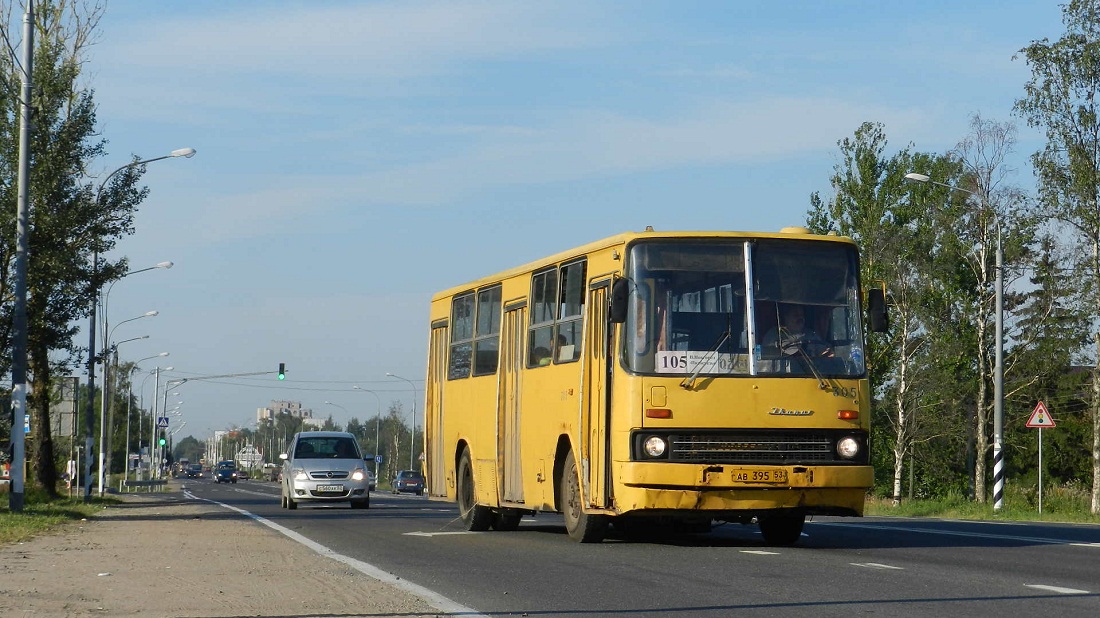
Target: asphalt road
{"x": 841, "y": 566}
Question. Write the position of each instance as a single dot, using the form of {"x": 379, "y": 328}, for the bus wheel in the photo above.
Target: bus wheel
{"x": 506, "y": 520}
{"x": 582, "y": 527}
{"x": 476, "y": 517}
{"x": 783, "y": 529}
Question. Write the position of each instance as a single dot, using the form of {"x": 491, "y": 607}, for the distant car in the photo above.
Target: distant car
{"x": 372, "y": 481}
{"x": 194, "y": 471}
{"x": 409, "y": 482}
{"x": 324, "y": 466}
{"x": 242, "y": 473}
{"x": 225, "y": 474}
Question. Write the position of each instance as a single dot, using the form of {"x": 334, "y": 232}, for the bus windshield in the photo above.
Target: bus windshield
{"x": 692, "y": 302}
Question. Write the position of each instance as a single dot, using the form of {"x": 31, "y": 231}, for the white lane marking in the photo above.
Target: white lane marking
{"x": 876, "y": 565}
{"x": 1097, "y": 545}
{"x": 759, "y": 552}
{"x": 437, "y": 533}
{"x": 430, "y": 597}
{"x": 977, "y": 535}
{"x": 1057, "y": 589}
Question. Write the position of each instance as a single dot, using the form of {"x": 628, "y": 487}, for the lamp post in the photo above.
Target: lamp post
{"x": 94, "y": 292}
{"x": 412, "y": 428}
{"x": 998, "y": 358}
{"x": 129, "y": 410}
{"x": 169, "y": 385}
{"x": 152, "y": 413}
{"x": 336, "y": 405}
{"x": 377, "y": 427}
{"x": 104, "y": 396}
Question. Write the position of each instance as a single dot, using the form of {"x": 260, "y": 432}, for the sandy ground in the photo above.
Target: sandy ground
{"x": 155, "y": 555}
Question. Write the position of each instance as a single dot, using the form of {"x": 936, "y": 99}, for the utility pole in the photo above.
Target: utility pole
{"x": 22, "y": 218}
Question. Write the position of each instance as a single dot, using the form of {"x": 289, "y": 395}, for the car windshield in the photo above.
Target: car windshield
{"x": 326, "y": 448}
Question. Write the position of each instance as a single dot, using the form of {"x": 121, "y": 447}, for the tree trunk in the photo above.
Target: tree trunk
{"x": 43, "y": 466}
{"x": 1095, "y": 409}
{"x": 981, "y": 439}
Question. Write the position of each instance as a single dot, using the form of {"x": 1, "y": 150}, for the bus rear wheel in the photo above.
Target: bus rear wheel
{"x": 783, "y": 529}
{"x": 475, "y": 517}
{"x": 582, "y": 527}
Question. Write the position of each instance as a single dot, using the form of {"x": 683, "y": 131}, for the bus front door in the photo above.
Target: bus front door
{"x": 435, "y": 466}
{"x": 509, "y": 465}
{"x": 595, "y": 448}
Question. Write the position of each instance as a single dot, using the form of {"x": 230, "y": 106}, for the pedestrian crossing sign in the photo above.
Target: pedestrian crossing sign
{"x": 1041, "y": 417}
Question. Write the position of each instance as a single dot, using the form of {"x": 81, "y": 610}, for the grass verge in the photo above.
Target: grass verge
{"x": 1066, "y": 504}
{"x": 41, "y": 514}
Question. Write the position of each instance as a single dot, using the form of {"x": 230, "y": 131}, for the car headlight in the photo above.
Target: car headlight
{"x": 299, "y": 475}
{"x": 847, "y": 447}
{"x": 357, "y": 475}
{"x": 655, "y": 446}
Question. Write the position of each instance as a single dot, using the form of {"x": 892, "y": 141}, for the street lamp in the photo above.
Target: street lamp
{"x": 377, "y": 426}
{"x": 94, "y": 285}
{"x": 329, "y": 403}
{"x": 104, "y": 461}
{"x": 998, "y": 359}
{"x": 129, "y": 409}
{"x": 412, "y": 428}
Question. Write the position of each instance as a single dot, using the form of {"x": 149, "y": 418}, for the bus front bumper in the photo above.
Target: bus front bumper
{"x": 740, "y": 488}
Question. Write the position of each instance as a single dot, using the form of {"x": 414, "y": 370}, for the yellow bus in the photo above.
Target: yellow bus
{"x": 656, "y": 381}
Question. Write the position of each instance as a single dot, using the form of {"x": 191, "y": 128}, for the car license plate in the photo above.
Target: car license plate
{"x": 339, "y": 488}
{"x": 759, "y": 475}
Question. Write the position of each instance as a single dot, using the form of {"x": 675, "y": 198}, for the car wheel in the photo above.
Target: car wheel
{"x": 582, "y": 527}
{"x": 361, "y": 504}
{"x": 476, "y": 517}
{"x": 234, "y": 481}
{"x": 290, "y": 503}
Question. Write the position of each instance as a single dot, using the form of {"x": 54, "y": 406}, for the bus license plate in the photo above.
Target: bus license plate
{"x": 759, "y": 475}
{"x": 339, "y": 488}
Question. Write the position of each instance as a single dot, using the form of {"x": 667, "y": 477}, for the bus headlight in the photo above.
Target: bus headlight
{"x": 655, "y": 446}
{"x": 847, "y": 447}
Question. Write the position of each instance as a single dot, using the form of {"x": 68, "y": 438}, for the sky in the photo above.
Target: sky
{"x": 356, "y": 157}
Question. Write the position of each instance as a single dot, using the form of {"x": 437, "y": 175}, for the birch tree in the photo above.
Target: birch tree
{"x": 1060, "y": 99}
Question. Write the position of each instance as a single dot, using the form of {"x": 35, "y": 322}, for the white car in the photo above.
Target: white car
{"x": 324, "y": 466}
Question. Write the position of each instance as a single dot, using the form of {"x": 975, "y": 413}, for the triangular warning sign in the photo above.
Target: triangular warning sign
{"x": 1040, "y": 417}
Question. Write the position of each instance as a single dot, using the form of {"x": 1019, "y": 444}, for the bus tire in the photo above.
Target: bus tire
{"x": 582, "y": 527}
{"x": 475, "y": 517}
{"x": 784, "y": 529}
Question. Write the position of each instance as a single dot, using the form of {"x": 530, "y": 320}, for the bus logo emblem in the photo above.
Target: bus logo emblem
{"x": 786, "y": 412}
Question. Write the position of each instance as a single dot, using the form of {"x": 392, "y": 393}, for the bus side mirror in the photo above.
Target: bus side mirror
{"x": 876, "y": 310}
{"x": 620, "y": 294}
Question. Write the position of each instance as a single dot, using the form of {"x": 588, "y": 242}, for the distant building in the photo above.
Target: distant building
{"x": 293, "y": 408}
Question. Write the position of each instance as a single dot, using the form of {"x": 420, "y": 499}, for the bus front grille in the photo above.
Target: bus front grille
{"x": 772, "y": 448}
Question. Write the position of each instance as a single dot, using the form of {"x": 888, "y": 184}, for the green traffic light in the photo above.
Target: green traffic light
{"x": 282, "y": 371}
{"x": 161, "y": 441}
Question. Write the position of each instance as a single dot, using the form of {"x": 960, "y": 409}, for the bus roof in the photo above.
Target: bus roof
{"x": 626, "y": 237}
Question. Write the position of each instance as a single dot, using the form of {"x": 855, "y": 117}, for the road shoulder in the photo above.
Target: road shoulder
{"x": 167, "y": 555}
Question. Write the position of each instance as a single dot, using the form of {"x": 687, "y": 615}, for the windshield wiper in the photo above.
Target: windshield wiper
{"x": 689, "y": 381}
{"x": 812, "y": 365}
